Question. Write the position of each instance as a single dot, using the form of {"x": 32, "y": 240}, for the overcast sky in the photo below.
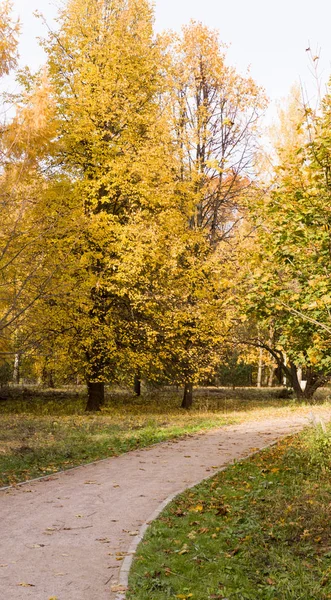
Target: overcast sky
{"x": 269, "y": 36}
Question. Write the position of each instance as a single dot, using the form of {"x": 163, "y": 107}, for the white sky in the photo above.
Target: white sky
{"x": 270, "y": 36}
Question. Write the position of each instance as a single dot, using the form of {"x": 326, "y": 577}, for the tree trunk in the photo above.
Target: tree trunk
{"x": 313, "y": 382}
{"x": 137, "y": 385}
{"x": 260, "y": 369}
{"x": 271, "y": 376}
{"x": 96, "y": 396}
{"x": 296, "y": 383}
{"x": 188, "y": 396}
{"x": 285, "y": 377}
{"x": 51, "y": 383}
{"x": 299, "y": 374}
{"x": 47, "y": 377}
{"x": 16, "y": 372}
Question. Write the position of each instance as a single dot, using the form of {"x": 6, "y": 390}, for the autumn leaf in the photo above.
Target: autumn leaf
{"x": 198, "y": 508}
{"x": 118, "y": 588}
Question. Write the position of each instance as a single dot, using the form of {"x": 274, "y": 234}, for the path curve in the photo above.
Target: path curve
{"x": 62, "y": 538}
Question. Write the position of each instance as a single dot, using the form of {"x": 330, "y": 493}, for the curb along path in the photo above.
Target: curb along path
{"x": 65, "y": 538}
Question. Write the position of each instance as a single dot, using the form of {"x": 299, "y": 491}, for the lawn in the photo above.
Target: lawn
{"x": 46, "y": 431}
{"x": 259, "y": 530}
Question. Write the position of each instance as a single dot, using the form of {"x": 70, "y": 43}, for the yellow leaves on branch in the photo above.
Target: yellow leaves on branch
{"x": 9, "y": 31}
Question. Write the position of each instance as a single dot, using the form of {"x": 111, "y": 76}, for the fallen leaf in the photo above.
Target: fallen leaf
{"x": 197, "y": 508}
{"x": 222, "y": 510}
{"x": 233, "y": 553}
{"x": 118, "y": 588}
{"x": 23, "y": 584}
{"x": 184, "y": 550}
{"x": 204, "y": 530}
{"x": 120, "y": 555}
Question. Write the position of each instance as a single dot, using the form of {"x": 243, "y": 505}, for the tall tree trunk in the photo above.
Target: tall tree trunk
{"x": 137, "y": 385}
{"x": 16, "y": 372}
{"x": 296, "y": 384}
{"x": 47, "y": 377}
{"x": 285, "y": 381}
{"x": 271, "y": 376}
{"x": 299, "y": 374}
{"x": 96, "y": 396}
{"x": 260, "y": 369}
{"x": 51, "y": 383}
{"x": 188, "y": 395}
{"x": 271, "y": 368}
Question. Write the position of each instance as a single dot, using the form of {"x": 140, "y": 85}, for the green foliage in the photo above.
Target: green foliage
{"x": 287, "y": 280}
{"x": 234, "y": 372}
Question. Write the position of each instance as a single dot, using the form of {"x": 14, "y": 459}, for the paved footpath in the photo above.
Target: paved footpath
{"x": 61, "y": 538}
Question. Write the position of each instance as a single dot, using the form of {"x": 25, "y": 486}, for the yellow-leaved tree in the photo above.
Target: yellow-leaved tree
{"x": 114, "y": 144}
{"x": 29, "y": 214}
{"x": 215, "y": 114}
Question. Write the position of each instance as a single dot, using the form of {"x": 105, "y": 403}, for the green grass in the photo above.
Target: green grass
{"x": 43, "y": 432}
{"x": 259, "y": 530}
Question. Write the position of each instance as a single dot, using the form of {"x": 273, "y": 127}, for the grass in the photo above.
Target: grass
{"x": 259, "y": 530}
{"x": 43, "y": 432}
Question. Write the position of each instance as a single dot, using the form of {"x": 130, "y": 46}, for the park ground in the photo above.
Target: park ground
{"x": 44, "y": 431}
{"x": 259, "y": 529}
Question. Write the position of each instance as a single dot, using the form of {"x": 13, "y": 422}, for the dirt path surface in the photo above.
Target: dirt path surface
{"x": 61, "y": 538}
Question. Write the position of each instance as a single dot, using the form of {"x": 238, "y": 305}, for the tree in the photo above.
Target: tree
{"x": 289, "y": 272}
{"x": 28, "y": 217}
{"x": 114, "y": 144}
{"x": 215, "y": 115}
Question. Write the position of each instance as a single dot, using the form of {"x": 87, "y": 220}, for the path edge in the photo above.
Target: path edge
{"x": 54, "y": 475}
{"x": 125, "y": 569}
